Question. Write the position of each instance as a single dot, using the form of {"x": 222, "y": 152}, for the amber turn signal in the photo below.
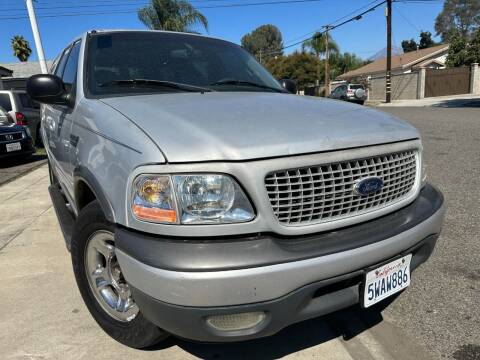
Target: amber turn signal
{"x": 154, "y": 214}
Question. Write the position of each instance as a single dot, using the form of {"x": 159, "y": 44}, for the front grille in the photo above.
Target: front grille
{"x": 11, "y": 137}
{"x": 323, "y": 193}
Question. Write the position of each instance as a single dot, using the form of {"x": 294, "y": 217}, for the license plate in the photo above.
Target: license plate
{"x": 386, "y": 280}
{"x": 14, "y": 147}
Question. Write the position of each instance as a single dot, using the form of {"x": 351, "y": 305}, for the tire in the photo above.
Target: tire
{"x": 135, "y": 331}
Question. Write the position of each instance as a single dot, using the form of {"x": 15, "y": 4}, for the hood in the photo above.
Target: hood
{"x": 190, "y": 127}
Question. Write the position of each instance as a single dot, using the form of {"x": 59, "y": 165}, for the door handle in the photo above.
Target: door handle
{"x": 73, "y": 140}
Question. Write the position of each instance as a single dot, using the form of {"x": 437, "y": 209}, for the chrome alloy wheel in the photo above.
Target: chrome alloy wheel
{"x": 106, "y": 279}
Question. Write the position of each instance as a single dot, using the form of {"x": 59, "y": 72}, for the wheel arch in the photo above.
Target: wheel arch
{"x": 87, "y": 189}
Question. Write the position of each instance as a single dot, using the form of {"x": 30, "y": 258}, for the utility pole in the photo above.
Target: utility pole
{"x": 36, "y": 36}
{"x": 327, "y": 63}
{"x": 388, "y": 84}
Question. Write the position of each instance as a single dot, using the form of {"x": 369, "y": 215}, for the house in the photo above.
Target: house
{"x": 18, "y": 73}
{"x": 4, "y": 72}
{"x": 433, "y": 57}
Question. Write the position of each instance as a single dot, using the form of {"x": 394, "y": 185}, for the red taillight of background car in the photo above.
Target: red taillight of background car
{"x": 21, "y": 119}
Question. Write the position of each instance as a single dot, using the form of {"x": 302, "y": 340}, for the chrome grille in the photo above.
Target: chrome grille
{"x": 11, "y": 136}
{"x": 325, "y": 192}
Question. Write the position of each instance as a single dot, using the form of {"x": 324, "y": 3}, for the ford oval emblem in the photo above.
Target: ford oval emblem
{"x": 367, "y": 186}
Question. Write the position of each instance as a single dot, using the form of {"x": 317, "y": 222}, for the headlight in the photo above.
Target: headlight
{"x": 190, "y": 199}
{"x": 153, "y": 199}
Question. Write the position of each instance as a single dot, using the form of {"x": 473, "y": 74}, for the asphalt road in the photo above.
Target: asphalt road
{"x": 442, "y": 308}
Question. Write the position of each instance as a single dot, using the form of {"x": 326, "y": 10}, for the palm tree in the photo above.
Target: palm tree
{"x": 171, "y": 15}
{"x": 317, "y": 46}
{"x": 21, "y": 48}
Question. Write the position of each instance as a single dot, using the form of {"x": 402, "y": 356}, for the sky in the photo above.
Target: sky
{"x": 295, "y": 20}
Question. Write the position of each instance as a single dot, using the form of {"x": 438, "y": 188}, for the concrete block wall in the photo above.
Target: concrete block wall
{"x": 404, "y": 87}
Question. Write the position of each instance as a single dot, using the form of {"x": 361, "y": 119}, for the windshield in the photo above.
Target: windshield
{"x": 174, "y": 58}
{"x": 355, "y": 87}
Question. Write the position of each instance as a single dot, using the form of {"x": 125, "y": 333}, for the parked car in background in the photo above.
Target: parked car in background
{"x": 15, "y": 140}
{"x": 350, "y": 92}
{"x": 200, "y": 198}
{"x": 23, "y": 110}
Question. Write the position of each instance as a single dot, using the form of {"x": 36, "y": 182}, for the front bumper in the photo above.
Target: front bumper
{"x": 178, "y": 282}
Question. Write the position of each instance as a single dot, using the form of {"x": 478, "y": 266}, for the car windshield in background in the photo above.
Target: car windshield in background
{"x": 355, "y": 87}
{"x": 138, "y": 62}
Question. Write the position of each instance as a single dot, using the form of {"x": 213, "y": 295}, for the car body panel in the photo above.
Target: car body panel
{"x": 233, "y": 126}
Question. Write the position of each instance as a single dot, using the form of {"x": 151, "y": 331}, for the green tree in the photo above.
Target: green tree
{"x": 458, "y": 17}
{"x": 426, "y": 40}
{"x": 342, "y": 63}
{"x": 172, "y": 15}
{"x": 317, "y": 45}
{"x": 409, "y": 45}
{"x": 21, "y": 48}
{"x": 298, "y": 66}
{"x": 462, "y": 52}
{"x": 265, "y": 42}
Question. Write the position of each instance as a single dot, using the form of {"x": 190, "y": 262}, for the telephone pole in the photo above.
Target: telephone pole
{"x": 327, "y": 63}
{"x": 36, "y": 36}
{"x": 388, "y": 84}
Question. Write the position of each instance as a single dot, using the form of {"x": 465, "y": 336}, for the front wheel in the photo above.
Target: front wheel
{"x": 101, "y": 283}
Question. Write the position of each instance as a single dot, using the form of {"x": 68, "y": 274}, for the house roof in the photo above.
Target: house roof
{"x": 398, "y": 62}
{"x": 24, "y": 69}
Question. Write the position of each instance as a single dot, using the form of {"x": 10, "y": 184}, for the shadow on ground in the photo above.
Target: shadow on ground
{"x": 12, "y": 168}
{"x": 345, "y": 324}
{"x": 19, "y": 161}
{"x": 459, "y": 103}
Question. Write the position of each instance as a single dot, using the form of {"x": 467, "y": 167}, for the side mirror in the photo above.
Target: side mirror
{"x": 289, "y": 85}
{"x": 47, "y": 89}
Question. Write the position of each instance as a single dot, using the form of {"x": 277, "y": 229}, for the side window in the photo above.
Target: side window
{"x": 5, "y": 102}
{"x": 25, "y": 101}
{"x": 70, "y": 72}
{"x": 61, "y": 63}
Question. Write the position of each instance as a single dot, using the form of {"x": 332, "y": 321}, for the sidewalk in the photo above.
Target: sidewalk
{"x": 43, "y": 317}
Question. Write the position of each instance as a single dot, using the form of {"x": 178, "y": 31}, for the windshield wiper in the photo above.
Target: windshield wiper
{"x": 247, "y": 83}
{"x": 162, "y": 83}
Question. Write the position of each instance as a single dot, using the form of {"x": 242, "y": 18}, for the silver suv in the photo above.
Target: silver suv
{"x": 23, "y": 110}
{"x": 198, "y": 198}
{"x": 350, "y": 92}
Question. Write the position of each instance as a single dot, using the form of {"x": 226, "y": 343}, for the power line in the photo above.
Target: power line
{"x": 329, "y": 27}
{"x": 230, "y": 5}
{"x": 333, "y": 22}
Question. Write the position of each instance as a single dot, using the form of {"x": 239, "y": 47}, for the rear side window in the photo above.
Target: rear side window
{"x": 5, "y": 102}
{"x": 25, "y": 101}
